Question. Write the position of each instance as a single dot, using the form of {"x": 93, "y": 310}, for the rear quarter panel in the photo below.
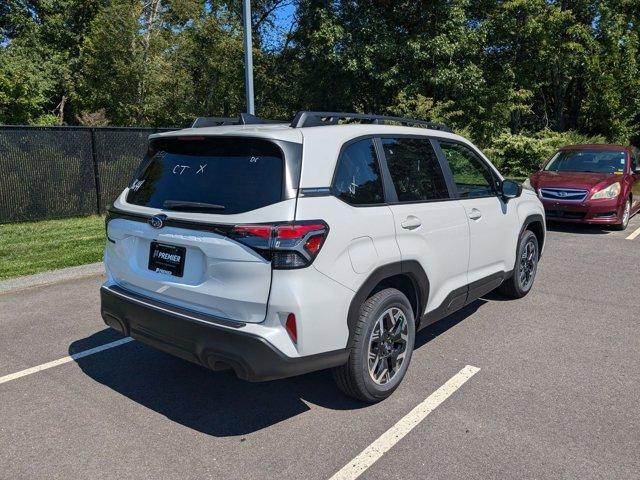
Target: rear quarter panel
{"x": 360, "y": 238}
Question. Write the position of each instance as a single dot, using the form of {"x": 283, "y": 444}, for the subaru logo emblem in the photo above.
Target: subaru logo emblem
{"x": 562, "y": 194}
{"x": 157, "y": 221}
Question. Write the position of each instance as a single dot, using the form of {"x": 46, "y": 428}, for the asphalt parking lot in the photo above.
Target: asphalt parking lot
{"x": 556, "y": 394}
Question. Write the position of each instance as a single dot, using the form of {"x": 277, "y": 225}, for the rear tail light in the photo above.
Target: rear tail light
{"x": 290, "y": 245}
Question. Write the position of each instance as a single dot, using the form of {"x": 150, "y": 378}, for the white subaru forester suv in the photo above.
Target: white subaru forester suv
{"x": 277, "y": 249}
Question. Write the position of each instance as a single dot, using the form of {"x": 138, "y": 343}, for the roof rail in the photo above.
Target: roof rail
{"x": 243, "y": 119}
{"x": 316, "y": 119}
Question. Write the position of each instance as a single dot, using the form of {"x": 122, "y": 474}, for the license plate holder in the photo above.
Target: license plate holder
{"x": 167, "y": 259}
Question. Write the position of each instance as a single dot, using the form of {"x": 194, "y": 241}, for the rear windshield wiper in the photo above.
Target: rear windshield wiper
{"x": 180, "y": 204}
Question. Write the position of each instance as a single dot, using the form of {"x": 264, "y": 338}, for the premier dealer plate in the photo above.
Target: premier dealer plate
{"x": 167, "y": 259}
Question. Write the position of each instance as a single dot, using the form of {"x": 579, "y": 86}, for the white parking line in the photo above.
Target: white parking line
{"x": 634, "y": 234}
{"x": 388, "y": 439}
{"x": 63, "y": 360}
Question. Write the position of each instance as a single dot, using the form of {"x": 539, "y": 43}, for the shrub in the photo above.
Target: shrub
{"x": 520, "y": 155}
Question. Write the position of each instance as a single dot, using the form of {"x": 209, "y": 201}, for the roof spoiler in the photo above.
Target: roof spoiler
{"x": 243, "y": 119}
{"x": 316, "y": 119}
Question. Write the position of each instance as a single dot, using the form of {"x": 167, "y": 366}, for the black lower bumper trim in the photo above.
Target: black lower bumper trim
{"x": 214, "y": 346}
{"x": 567, "y": 214}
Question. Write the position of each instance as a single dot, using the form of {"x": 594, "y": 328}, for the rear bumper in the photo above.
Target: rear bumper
{"x": 590, "y": 212}
{"x": 213, "y": 343}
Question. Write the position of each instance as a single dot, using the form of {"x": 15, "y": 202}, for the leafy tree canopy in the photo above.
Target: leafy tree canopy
{"x": 489, "y": 68}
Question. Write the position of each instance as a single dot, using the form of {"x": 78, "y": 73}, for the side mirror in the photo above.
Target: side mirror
{"x": 509, "y": 190}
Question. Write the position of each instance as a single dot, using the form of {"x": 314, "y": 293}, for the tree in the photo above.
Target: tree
{"x": 611, "y": 103}
{"x": 27, "y": 83}
{"x": 39, "y": 45}
{"x": 488, "y": 68}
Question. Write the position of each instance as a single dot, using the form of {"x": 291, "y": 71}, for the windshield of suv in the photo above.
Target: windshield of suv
{"x": 601, "y": 161}
{"x": 209, "y": 175}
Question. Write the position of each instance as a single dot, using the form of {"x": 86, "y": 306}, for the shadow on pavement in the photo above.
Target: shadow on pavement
{"x": 434, "y": 330}
{"x": 218, "y": 403}
{"x": 215, "y": 403}
{"x": 578, "y": 228}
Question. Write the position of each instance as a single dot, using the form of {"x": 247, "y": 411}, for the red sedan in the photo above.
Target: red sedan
{"x": 595, "y": 184}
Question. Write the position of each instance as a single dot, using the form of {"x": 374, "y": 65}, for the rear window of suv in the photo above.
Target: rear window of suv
{"x": 209, "y": 175}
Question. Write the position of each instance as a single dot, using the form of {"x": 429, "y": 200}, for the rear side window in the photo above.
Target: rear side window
{"x": 470, "y": 174}
{"x": 414, "y": 169}
{"x": 212, "y": 175}
{"x": 357, "y": 179}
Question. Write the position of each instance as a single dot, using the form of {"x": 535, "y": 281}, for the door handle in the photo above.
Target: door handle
{"x": 411, "y": 223}
{"x": 475, "y": 214}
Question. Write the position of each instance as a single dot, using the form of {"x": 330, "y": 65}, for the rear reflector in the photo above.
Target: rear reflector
{"x": 290, "y": 325}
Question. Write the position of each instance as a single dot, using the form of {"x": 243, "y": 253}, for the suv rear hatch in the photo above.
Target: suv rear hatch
{"x": 178, "y": 233}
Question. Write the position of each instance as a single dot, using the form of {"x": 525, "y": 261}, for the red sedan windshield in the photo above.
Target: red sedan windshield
{"x": 600, "y": 161}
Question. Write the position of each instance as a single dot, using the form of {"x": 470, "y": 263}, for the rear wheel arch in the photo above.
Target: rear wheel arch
{"x": 535, "y": 223}
{"x": 406, "y": 276}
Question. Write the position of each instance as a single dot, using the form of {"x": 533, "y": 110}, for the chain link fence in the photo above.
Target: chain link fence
{"x": 57, "y": 172}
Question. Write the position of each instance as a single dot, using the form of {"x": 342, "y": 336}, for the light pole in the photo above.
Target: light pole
{"x": 248, "y": 56}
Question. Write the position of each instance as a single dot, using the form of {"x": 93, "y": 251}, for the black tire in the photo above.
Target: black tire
{"x": 515, "y": 286}
{"x": 626, "y": 215}
{"x": 354, "y": 378}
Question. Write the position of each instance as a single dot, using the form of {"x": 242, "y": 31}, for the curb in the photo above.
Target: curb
{"x": 53, "y": 276}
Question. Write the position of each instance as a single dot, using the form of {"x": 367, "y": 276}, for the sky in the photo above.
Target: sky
{"x": 283, "y": 18}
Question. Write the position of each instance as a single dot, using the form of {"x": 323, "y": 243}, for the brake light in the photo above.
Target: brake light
{"x": 298, "y": 231}
{"x": 191, "y": 138}
{"x": 253, "y": 230}
{"x": 290, "y": 245}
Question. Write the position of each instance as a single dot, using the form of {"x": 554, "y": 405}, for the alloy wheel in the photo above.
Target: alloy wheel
{"x": 387, "y": 345}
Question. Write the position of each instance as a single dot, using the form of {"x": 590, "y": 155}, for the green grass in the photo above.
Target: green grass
{"x": 33, "y": 247}
{"x": 516, "y": 179}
